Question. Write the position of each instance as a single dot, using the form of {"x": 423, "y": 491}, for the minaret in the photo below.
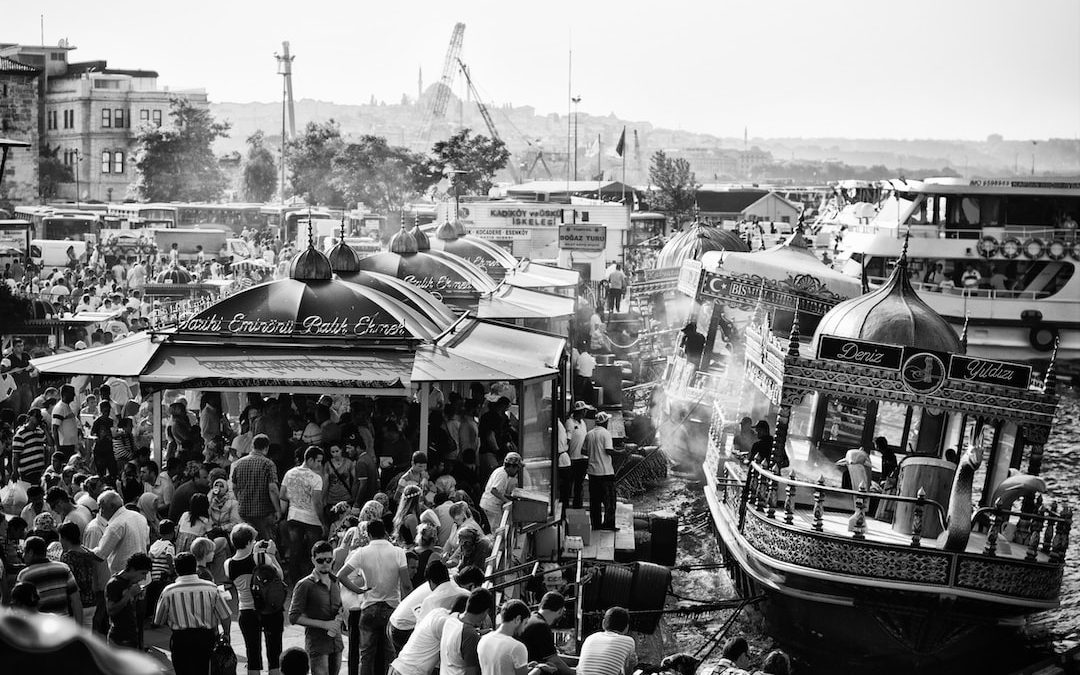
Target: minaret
{"x": 419, "y": 83}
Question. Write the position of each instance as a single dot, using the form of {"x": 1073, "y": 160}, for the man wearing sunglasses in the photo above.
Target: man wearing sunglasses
{"x": 316, "y": 605}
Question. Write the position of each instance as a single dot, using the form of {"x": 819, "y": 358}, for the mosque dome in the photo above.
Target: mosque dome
{"x": 343, "y": 259}
{"x": 698, "y": 239}
{"x": 403, "y": 242}
{"x": 174, "y": 274}
{"x": 447, "y": 232}
{"x": 422, "y": 242}
{"x": 892, "y": 314}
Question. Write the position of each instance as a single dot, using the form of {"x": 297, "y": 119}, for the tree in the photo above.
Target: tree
{"x": 260, "y": 170}
{"x": 177, "y": 162}
{"x": 674, "y": 188}
{"x": 478, "y": 156}
{"x": 383, "y": 176}
{"x": 52, "y": 171}
{"x": 310, "y": 161}
{"x": 14, "y": 308}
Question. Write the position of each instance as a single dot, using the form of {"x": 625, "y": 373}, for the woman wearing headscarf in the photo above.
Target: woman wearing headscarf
{"x": 194, "y": 523}
{"x": 148, "y": 507}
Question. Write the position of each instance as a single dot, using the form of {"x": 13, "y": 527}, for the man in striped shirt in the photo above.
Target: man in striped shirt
{"x": 28, "y": 449}
{"x": 55, "y": 584}
{"x": 611, "y": 651}
{"x": 193, "y": 609}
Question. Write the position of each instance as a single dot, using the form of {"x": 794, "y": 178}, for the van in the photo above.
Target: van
{"x": 187, "y": 241}
{"x": 49, "y": 253}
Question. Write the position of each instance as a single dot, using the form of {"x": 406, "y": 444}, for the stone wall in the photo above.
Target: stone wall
{"x": 19, "y": 121}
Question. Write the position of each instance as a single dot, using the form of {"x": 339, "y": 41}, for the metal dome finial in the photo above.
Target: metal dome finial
{"x": 793, "y": 338}
{"x": 964, "y": 335}
{"x": 1051, "y": 371}
{"x": 903, "y": 252}
{"x": 310, "y": 232}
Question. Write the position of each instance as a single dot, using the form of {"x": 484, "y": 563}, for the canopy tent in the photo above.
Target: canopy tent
{"x": 493, "y": 259}
{"x": 475, "y": 349}
{"x": 512, "y": 302}
{"x": 425, "y": 303}
{"x": 531, "y": 275}
{"x": 444, "y": 277}
{"x": 126, "y": 357}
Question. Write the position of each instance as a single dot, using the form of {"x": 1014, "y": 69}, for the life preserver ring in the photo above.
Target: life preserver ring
{"x": 1074, "y": 250}
{"x": 988, "y": 246}
{"x": 1010, "y": 248}
{"x": 1042, "y": 337}
{"x": 1057, "y": 250}
{"x": 1033, "y": 248}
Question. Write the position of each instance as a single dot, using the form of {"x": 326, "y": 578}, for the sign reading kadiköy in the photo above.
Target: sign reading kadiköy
{"x": 376, "y": 326}
{"x": 1001, "y": 373}
{"x": 582, "y": 237}
{"x": 722, "y": 287}
{"x": 870, "y": 354}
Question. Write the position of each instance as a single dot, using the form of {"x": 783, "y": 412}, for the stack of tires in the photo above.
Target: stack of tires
{"x": 641, "y": 587}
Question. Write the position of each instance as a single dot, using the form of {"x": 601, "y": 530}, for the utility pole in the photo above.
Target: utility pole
{"x": 284, "y": 62}
{"x": 576, "y": 100}
{"x": 78, "y": 189}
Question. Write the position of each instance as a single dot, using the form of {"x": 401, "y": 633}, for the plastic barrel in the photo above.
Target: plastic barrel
{"x": 664, "y": 526}
{"x": 649, "y": 593}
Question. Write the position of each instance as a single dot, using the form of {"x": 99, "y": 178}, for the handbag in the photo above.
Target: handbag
{"x": 223, "y": 658}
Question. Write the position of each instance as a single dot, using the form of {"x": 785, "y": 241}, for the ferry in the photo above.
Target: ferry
{"x": 942, "y": 540}
{"x": 997, "y": 254}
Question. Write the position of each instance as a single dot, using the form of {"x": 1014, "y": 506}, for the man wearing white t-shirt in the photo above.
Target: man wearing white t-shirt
{"x": 500, "y": 484}
{"x": 302, "y": 508}
{"x": 461, "y": 635}
{"x": 65, "y": 423}
{"x": 500, "y": 652}
{"x": 575, "y": 439}
{"x": 386, "y": 574}
{"x": 420, "y": 655}
{"x": 406, "y": 615}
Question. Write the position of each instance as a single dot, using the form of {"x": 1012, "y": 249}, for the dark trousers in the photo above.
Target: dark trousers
{"x": 101, "y": 615}
{"x": 578, "y": 468}
{"x": 398, "y": 637}
{"x": 602, "y": 498}
{"x": 565, "y": 477}
{"x": 191, "y": 650}
{"x": 253, "y": 626}
{"x": 614, "y": 299}
{"x": 301, "y": 538}
{"x": 376, "y": 650}
{"x": 354, "y": 642}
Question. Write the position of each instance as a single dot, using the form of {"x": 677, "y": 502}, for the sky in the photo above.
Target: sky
{"x": 944, "y": 69}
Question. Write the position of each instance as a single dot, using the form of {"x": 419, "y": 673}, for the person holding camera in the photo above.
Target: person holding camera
{"x": 256, "y": 622}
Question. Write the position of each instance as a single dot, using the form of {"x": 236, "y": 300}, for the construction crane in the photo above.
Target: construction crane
{"x": 437, "y": 110}
{"x": 490, "y": 123}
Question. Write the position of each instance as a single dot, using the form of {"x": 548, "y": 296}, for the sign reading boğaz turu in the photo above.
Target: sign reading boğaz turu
{"x": 375, "y": 326}
{"x": 1001, "y": 373}
{"x": 870, "y": 354}
{"x": 582, "y": 237}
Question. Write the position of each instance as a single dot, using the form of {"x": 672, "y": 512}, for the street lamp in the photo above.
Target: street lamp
{"x": 576, "y": 100}
{"x": 78, "y": 190}
{"x": 284, "y": 62}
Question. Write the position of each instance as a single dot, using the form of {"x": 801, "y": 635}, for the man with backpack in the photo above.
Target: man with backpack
{"x": 261, "y": 597}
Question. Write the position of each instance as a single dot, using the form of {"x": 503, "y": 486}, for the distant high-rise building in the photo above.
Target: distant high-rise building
{"x": 93, "y": 112}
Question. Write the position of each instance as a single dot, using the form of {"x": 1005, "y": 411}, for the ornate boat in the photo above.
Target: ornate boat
{"x": 941, "y": 567}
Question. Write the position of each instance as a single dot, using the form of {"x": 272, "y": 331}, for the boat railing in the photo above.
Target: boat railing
{"x": 1041, "y": 529}
{"x": 999, "y": 232}
{"x": 762, "y": 491}
{"x": 981, "y": 293}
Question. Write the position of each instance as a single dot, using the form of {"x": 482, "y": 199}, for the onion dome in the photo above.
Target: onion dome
{"x": 174, "y": 274}
{"x": 695, "y": 241}
{"x": 343, "y": 259}
{"x": 459, "y": 227}
{"x": 403, "y": 243}
{"x": 311, "y": 265}
{"x": 892, "y": 314}
{"x": 422, "y": 242}
{"x": 447, "y": 232}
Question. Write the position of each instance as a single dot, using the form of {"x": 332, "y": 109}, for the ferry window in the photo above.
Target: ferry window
{"x": 106, "y": 161}
{"x": 990, "y": 210}
{"x": 118, "y": 162}
{"x": 969, "y": 211}
{"x": 106, "y": 118}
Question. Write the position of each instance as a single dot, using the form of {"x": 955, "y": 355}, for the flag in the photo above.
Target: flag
{"x": 620, "y": 147}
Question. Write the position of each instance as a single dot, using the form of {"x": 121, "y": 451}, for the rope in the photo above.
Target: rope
{"x": 697, "y": 609}
{"x": 714, "y": 640}
{"x": 619, "y": 346}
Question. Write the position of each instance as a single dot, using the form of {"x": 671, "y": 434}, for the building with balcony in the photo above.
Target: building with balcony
{"x": 92, "y": 113}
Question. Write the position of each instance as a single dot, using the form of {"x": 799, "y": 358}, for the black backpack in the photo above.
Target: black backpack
{"x": 268, "y": 590}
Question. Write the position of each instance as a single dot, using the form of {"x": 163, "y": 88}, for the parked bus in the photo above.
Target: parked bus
{"x": 234, "y": 217}
{"x": 135, "y": 216}
{"x": 57, "y": 224}
{"x": 284, "y": 219}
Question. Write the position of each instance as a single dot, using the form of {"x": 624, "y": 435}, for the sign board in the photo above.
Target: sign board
{"x": 377, "y": 326}
{"x": 869, "y": 354}
{"x": 722, "y": 287}
{"x": 689, "y": 278}
{"x": 582, "y": 237}
{"x": 923, "y": 371}
{"x": 1000, "y": 373}
{"x": 500, "y": 233}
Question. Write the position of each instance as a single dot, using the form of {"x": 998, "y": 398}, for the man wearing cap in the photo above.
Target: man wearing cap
{"x": 502, "y": 482}
{"x": 579, "y": 463}
{"x": 761, "y": 450}
{"x": 599, "y": 447}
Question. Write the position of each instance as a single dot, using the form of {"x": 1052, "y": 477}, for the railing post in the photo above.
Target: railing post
{"x": 819, "y": 504}
{"x": 770, "y": 497}
{"x": 1048, "y": 536}
{"x": 857, "y": 522}
{"x": 992, "y": 535}
{"x": 789, "y": 504}
{"x": 917, "y": 518}
{"x": 760, "y": 491}
{"x": 1036, "y": 527}
{"x": 1061, "y": 536}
